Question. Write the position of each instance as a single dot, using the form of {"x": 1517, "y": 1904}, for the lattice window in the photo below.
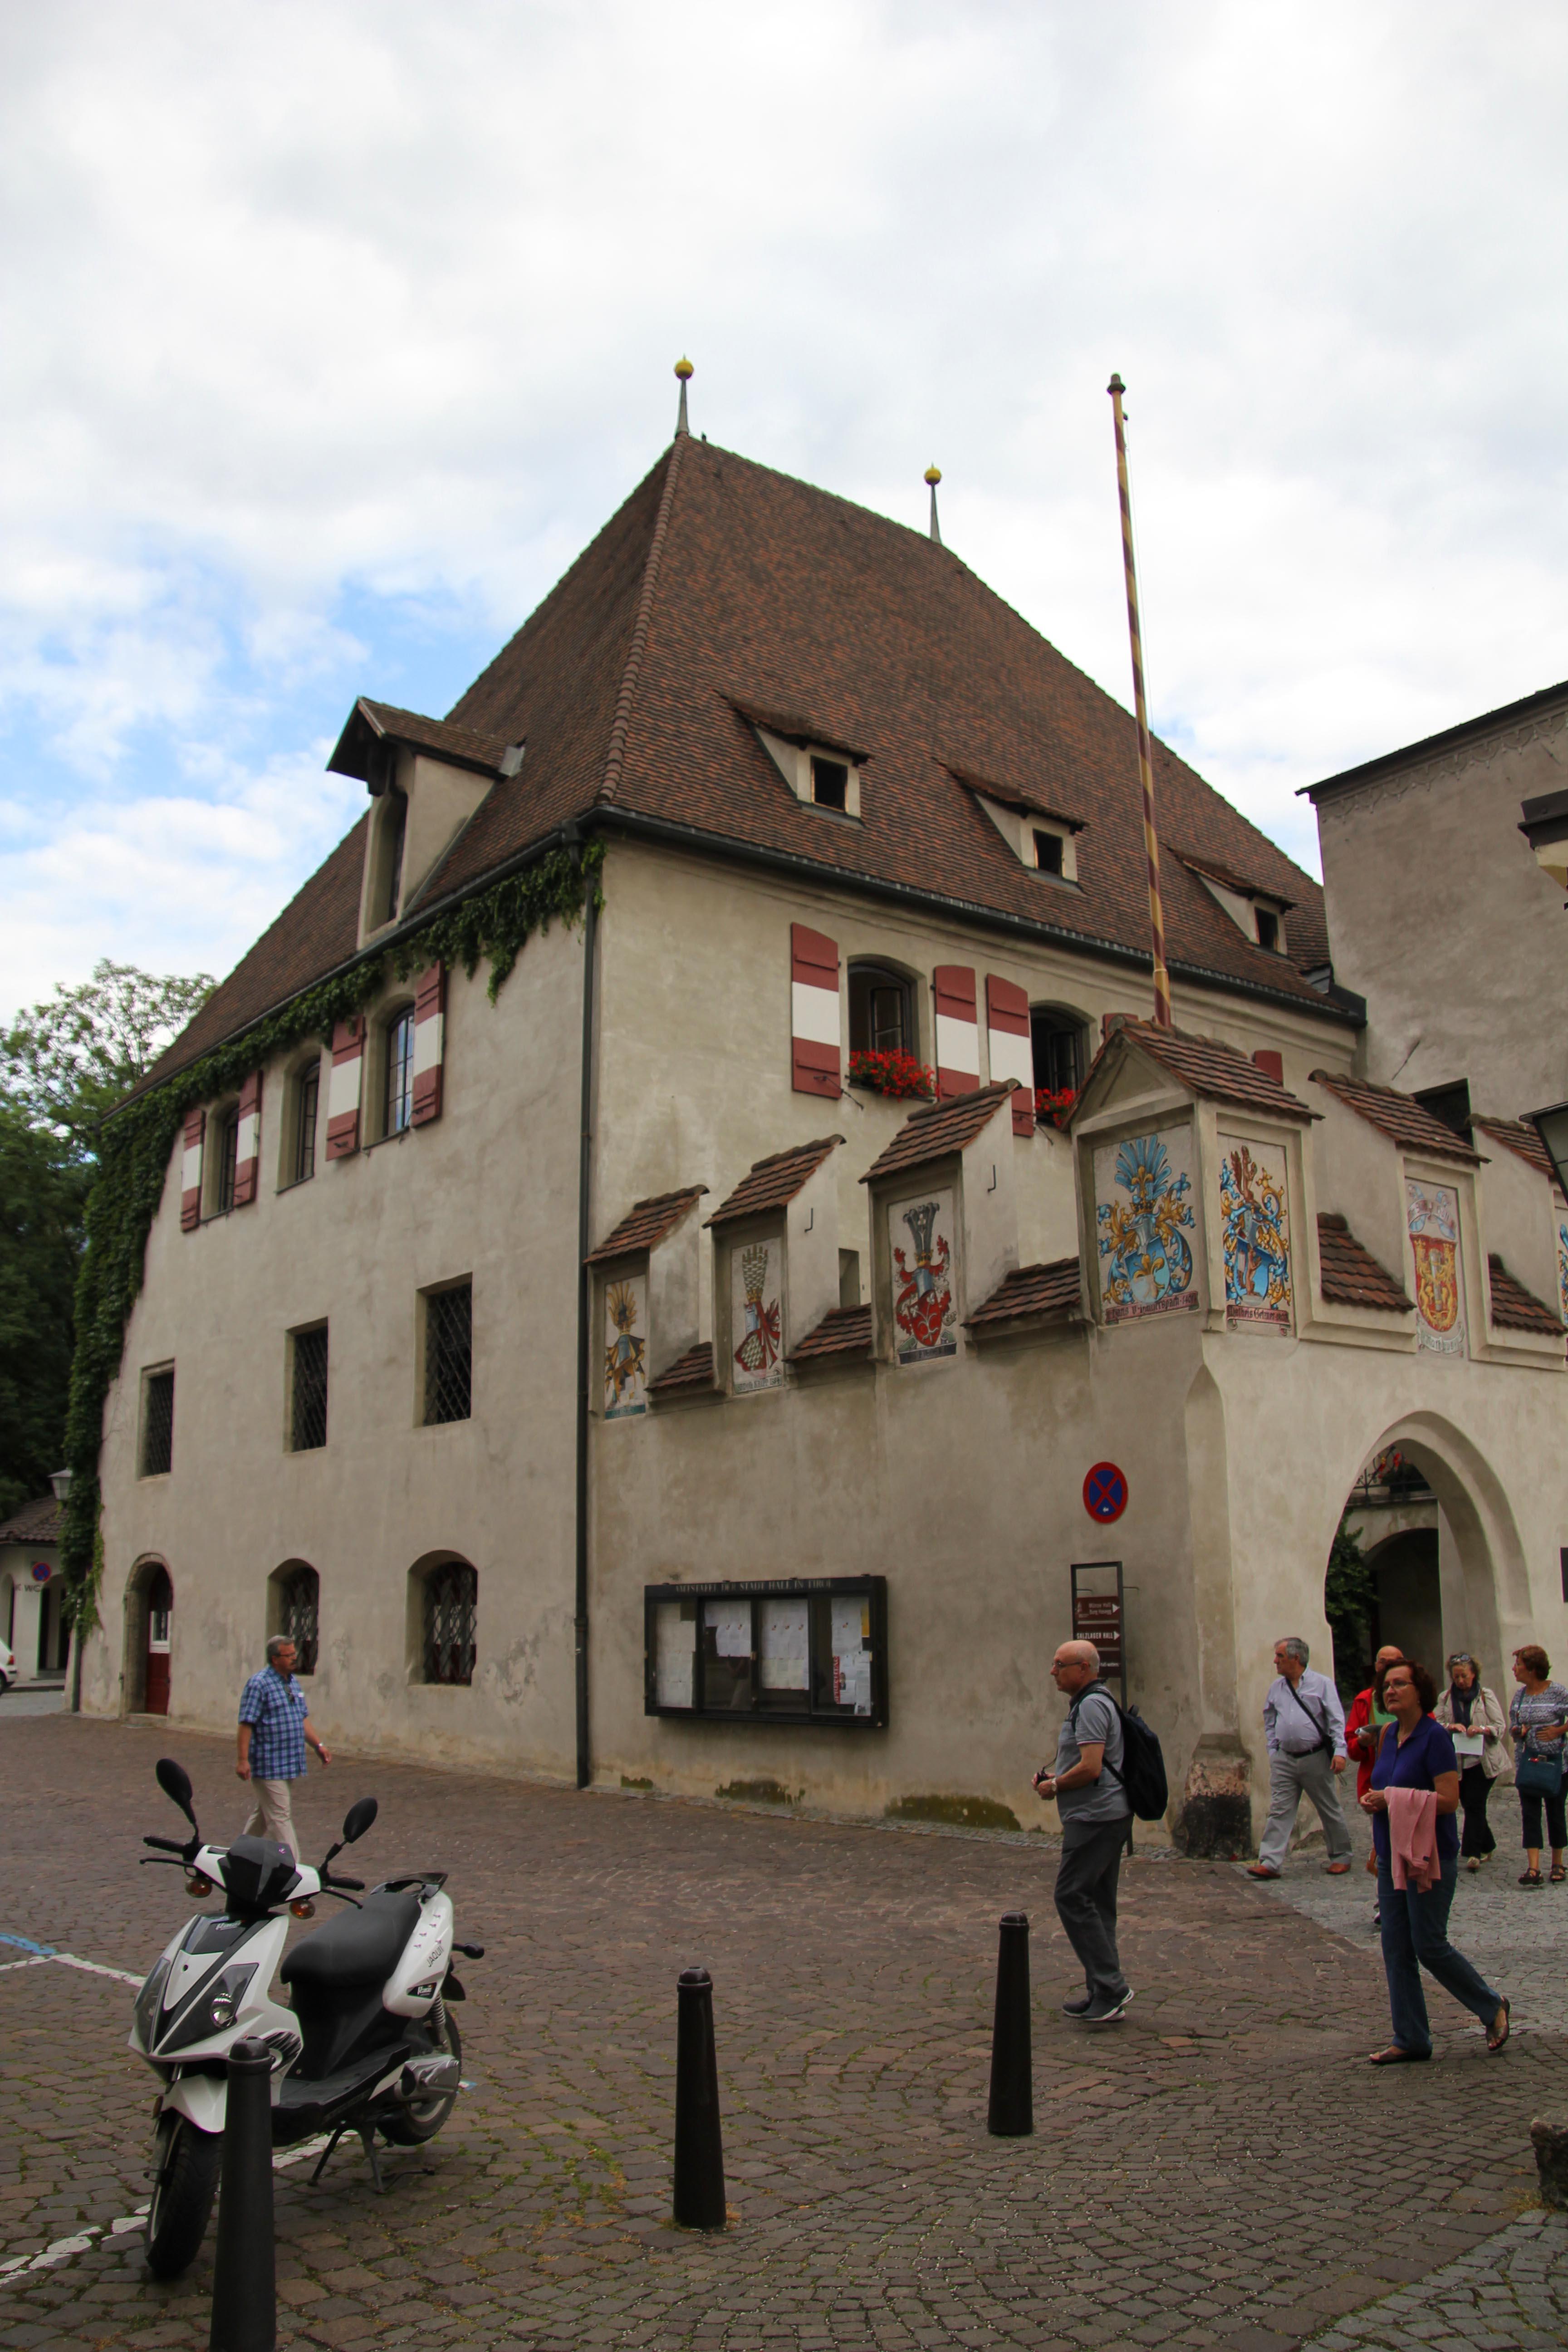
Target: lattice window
{"x": 309, "y": 1418}
{"x": 301, "y": 1615}
{"x": 449, "y": 1351}
{"x": 397, "y": 1110}
{"x": 451, "y": 1612}
{"x": 158, "y": 1426}
{"x": 305, "y": 1134}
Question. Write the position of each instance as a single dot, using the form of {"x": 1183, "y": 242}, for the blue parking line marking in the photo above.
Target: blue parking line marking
{"x": 44, "y": 1952}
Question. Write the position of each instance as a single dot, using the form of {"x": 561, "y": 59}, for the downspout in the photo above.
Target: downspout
{"x": 585, "y": 1317}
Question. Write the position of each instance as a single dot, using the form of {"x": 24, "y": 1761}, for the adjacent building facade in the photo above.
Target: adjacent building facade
{"x": 714, "y": 1361}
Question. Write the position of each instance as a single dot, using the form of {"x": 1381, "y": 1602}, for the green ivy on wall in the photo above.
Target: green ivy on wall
{"x": 137, "y": 1144}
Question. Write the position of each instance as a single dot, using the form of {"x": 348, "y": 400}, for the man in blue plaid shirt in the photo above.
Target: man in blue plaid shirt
{"x": 273, "y": 1729}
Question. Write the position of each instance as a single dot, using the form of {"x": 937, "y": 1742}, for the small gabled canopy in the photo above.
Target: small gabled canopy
{"x": 1351, "y": 1276}
{"x": 1522, "y": 1139}
{"x": 1033, "y": 1294}
{"x": 1404, "y": 1121}
{"x": 373, "y": 725}
{"x": 1515, "y": 1308}
{"x": 940, "y": 1129}
{"x": 1217, "y": 1073}
{"x": 772, "y": 1183}
{"x": 647, "y": 1224}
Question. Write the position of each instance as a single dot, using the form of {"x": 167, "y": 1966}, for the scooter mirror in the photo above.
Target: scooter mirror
{"x": 175, "y": 1781}
{"x": 358, "y": 1818}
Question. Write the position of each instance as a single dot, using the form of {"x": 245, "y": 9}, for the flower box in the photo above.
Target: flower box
{"x": 1054, "y": 1109}
{"x": 896, "y": 1074}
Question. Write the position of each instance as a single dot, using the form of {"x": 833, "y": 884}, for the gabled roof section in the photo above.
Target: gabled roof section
{"x": 1008, "y": 796}
{"x": 793, "y": 727}
{"x": 647, "y": 1224}
{"x": 1351, "y": 1276}
{"x": 846, "y": 1331}
{"x": 689, "y": 1375}
{"x": 1204, "y": 1066}
{"x": 1401, "y": 1117}
{"x": 37, "y": 1522}
{"x": 371, "y": 724}
{"x": 940, "y": 1129}
{"x": 774, "y": 1183}
{"x": 1520, "y": 1137}
{"x": 1227, "y": 880}
{"x": 1033, "y": 1294}
{"x": 1514, "y": 1308}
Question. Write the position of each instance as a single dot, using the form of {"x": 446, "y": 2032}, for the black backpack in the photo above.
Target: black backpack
{"x": 1143, "y": 1761}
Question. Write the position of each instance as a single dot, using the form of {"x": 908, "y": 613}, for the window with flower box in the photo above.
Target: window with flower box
{"x": 792, "y": 1650}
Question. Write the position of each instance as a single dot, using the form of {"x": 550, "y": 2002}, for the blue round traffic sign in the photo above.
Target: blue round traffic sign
{"x": 1105, "y": 1493}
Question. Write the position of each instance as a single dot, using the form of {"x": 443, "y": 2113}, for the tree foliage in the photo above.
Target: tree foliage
{"x": 1350, "y": 1597}
{"x": 43, "y": 1193}
{"x": 65, "y": 1062}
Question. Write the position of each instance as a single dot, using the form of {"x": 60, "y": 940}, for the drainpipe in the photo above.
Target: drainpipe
{"x": 585, "y": 1319}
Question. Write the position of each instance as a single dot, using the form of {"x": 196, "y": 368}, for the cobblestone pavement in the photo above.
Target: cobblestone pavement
{"x": 1511, "y": 2291}
{"x": 1188, "y": 2183}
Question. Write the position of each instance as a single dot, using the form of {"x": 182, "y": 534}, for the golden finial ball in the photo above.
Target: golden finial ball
{"x": 934, "y": 474}
{"x": 683, "y": 368}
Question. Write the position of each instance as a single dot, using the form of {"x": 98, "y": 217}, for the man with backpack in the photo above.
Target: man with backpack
{"x": 1088, "y": 1784}
{"x": 1304, "y": 1729}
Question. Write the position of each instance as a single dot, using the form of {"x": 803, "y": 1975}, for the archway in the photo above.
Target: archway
{"x": 149, "y": 1637}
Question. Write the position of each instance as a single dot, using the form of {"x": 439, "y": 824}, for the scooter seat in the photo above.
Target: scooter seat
{"x": 358, "y": 1947}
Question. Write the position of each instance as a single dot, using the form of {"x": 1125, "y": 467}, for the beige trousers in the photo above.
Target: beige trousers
{"x": 273, "y": 1815}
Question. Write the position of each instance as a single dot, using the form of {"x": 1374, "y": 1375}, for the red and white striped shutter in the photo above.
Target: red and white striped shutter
{"x": 429, "y": 1044}
{"x": 248, "y": 1142}
{"x": 190, "y": 1171}
{"x": 814, "y": 1065}
{"x": 957, "y": 1029}
{"x": 342, "y": 1091}
{"x": 1007, "y": 1041}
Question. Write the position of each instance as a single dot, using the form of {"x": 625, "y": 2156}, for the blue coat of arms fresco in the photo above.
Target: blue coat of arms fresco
{"x": 1256, "y": 1237}
{"x": 1142, "y": 1214}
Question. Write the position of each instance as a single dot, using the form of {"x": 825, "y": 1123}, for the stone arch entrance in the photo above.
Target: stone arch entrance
{"x": 149, "y": 1637}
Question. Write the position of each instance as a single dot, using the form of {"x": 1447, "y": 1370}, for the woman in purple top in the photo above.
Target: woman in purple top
{"x": 1418, "y": 1753}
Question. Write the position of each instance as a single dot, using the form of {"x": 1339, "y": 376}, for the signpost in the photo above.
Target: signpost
{"x": 1096, "y": 1617}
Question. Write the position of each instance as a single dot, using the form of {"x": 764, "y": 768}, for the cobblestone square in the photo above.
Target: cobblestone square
{"x": 1193, "y": 2178}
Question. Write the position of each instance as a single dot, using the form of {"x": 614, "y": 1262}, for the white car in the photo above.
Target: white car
{"x": 8, "y": 1668}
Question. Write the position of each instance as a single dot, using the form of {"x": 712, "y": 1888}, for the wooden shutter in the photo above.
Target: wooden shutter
{"x": 190, "y": 1171}
{"x": 1007, "y": 1042}
{"x": 248, "y": 1142}
{"x": 343, "y": 1095}
{"x": 814, "y": 1065}
{"x": 429, "y": 1044}
{"x": 957, "y": 1029}
{"x": 1272, "y": 1063}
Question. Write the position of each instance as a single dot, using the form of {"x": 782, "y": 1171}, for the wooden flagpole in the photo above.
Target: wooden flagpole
{"x": 1145, "y": 752}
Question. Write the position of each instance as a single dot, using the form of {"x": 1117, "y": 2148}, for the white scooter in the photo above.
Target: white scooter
{"x": 369, "y": 2044}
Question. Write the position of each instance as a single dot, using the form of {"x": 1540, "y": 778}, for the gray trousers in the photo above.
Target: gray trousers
{"x": 1290, "y": 1778}
{"x": 1086, "y": 1901}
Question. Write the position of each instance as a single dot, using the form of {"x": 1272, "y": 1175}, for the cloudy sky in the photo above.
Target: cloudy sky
{"x": 329, "y": 333}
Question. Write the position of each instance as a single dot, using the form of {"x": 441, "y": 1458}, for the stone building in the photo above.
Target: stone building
{"x": 30, "y": 1589}
{"x": 636, "y": 1375}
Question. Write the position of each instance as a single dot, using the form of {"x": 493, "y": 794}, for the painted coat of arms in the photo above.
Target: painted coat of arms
{"x": 1254, "y": 1222}
{"x": 924, "y": 1314}
{"x": 1142, "y": 1214}
{"x": 626, "y": 1347}
{"x": 756, "y": 1313}
{"x": 1433, "y": 1217}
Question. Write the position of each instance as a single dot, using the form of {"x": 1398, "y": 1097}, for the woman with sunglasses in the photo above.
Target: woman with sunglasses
{"x": 1472, "y": 1713}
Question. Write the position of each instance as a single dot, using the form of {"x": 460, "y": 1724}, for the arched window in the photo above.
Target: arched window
{"x": 397, "y": 1094}
{"x": 451, "y": 1611}
{"x": 882, "y": 1011}
{"x": 1056, "y": 1036}
{"x": 298, "y": 1611}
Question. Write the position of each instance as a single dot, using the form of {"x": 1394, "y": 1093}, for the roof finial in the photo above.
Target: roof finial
{"x": 933, "y": 476}
{"x": 683, "y": 369}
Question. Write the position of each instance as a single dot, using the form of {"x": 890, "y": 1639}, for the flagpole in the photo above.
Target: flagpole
{"x": 1146, "y": 752}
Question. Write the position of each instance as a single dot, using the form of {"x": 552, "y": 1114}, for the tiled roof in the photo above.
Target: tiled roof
{"x": 1214, "y": 1071}
{"x": 845, "y": 1332}
{"x": 793, "y": 727}
{"x": 1401, "y": 1117}
{"x": 646, "y": 1223}
{"x": 1026, "y": 804}
{"x": 719, "y": 581}
{"x": 688, "y": 1373}
{"x": 774, "y": 1181}
{"x": 1030, "y": 1291}
{"x": 1514, "y": 1308}
{"x": 37, "y": 1522}
{"x": 371, "y": 721}
{"x": 938, "y": 1129}
{"x": 1352, "y": 1276}
{"x": 1228, "y": 880}
{"x": 1521, "y": 1137}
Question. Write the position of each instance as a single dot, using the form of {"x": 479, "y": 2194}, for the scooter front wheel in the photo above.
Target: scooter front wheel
{"x": 424, "y": 2117}
{"x": 185, "y": 2172}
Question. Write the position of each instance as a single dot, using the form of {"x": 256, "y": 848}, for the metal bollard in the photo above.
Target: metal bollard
{"x": 1011, "y": 2114}
{"x": 245, "y": 2273}
{"x": 698, "y": 2145}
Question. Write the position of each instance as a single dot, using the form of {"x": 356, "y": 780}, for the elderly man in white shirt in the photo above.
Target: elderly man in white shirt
{"x": 1304, "y": 1726}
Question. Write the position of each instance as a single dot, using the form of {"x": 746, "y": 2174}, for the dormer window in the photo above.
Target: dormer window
{"x": 1041, "y": 838}
{"x": 824, "y": 775}
{"x": 1257, "y": 913}
{"x": 830, "y": 782}
{"x": 1268, "y": 929}
{"x": 1049, "y": 848}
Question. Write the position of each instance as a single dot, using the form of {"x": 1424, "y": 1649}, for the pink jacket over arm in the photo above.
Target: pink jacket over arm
{"x": 1412, "y": 1836}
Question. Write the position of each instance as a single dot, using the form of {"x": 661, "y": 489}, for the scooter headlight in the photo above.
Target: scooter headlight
{"x": 213, "y": 2011}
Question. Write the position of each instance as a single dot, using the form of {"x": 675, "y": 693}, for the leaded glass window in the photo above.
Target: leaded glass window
{"x": 309, "y": 1414}
{"x": 158, "y": 1426}
{"x": 449, "y": 1354}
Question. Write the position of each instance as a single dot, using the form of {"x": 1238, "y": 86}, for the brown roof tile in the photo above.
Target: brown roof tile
{"x": 687, "y": 1374}
{"x": 938, "y": 1129}
{"x": 37, "y": 1522}
{"x": 646, "y": 1223}
{"x": 1031, "y": 1291}
{"x": 1522, "y": 1137}
{"x": 794, "y": 727}
{"x": 1514, "y": 1308}
{"x": 774, "y": 1183}
{"x": 1217, "y": 1072}
{"x": 1229, "y": 880}
{"x": 1352, "y": 1276}
{"x": 1401, "y": 1117}
{"x": 1010, "y": 796}
{"x": 720, "y": 581}
{"x": 370, "y": 723}
{"x": 846, "y": 1331}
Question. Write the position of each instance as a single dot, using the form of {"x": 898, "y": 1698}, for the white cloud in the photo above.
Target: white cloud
{"x": 323, "y": 325}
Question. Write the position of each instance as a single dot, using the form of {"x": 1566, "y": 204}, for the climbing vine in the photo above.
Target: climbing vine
{"x": 136, "y": 1143}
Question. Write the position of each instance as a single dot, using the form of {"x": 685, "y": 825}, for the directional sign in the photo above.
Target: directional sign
{"x": 1105, "y": 1493}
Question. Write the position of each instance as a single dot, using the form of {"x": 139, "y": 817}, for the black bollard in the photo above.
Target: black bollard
{"x": 1012, "y": 2111}
{"x": 699, "y": 2146}
{"x": 245, "y": 2281}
